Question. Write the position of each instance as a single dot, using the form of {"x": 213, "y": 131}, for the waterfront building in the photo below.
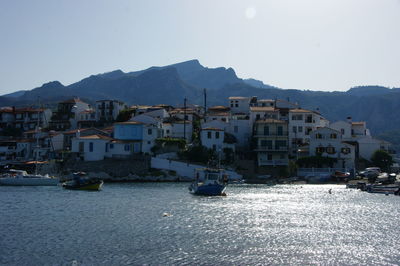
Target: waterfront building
{"x": 216, "y": 139}
{"x": 271, "y": 142}
{"x": 329, "y": 142}
{"x": 301, "y": 123}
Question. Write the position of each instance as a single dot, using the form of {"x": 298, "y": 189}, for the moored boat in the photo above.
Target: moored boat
{"x": 209, "y": 182}
{"x": 79, "y": 183}
{"x": 22, "y": 178}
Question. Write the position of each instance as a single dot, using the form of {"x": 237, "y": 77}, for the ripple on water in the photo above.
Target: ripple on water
{"x": 255, "y": 224}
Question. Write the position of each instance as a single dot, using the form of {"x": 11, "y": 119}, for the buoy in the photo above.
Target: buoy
{"x": 166, "y": 214}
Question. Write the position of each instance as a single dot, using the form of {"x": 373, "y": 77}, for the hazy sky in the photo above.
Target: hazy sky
{"x": 301, "y": 44}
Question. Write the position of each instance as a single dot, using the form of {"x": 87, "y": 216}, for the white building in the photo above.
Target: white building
{"x": 301, "y": 123}
{"x": 176, "y": 129}
{"x": 108, "y": 110}
{"x": 368, "y": 145}
{"x": 328, "y": 142}
{"x": 215, "y": 139}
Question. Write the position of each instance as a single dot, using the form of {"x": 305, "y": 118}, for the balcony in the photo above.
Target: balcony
{"x": 271, "y": 148}
{"x": 261, "y": 134}
{"x": 273, "y": 162}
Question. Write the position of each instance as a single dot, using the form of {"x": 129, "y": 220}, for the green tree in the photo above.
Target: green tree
{"x": 125, "y": 115}
{"x": 382, "y": 159}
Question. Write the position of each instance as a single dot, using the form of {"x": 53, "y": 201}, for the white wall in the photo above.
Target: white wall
{"x": 99, "y": 148}
{"x": 213, "y": 140}
{"x": 185, "y": 169}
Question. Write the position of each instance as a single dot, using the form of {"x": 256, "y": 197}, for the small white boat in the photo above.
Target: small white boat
{"x": 22, "y": 178}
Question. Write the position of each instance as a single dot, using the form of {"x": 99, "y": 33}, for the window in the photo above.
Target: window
{"x": 266, "y": 130}
{"x": 266, "y": 144}
{"x": 81, "y": 146}
{"x": 342, "y": 131}
{"x": 333, "y": 136}
{"x": 149, "y": 131}
{"x": 231, "y": 104}
{"x": 127, "y": 147}
{"x": 209, "y": 135}
{"x": 214, "y": 147}
{"x": 279, "y": 144}
{"x": 223, "y": 119}
{"x": 269, "y": 157}
{"x": 300, "y": 129}
{"x": 308, "y": 130}
{"x": 236, "y": 105}
{"x": 167, "y": 131}
{"x": 282, "y": 156}
{"x": 91, "y": 146}
{"x": 319, "y": 150}
{"x": 112, "y": 146}
{"x": 330, "y": 150}
{"x": 235, "y": 129}
{"x": 345, "y": 150}
{"x": 280, "y": 131}
{"x": 297, "y": 117}
{"x": 258, "y": 117}
{"x": 294, "y": 129}
{"x": 149, "y": 142}
{"x": 217, "y": 135}
{"x": 318, "y": 136}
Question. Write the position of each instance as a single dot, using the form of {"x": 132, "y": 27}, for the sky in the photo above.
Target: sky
{"x": 298, "y": 44}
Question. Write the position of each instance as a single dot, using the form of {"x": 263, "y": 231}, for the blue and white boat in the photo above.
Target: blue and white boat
{"x": 209, "y": 182}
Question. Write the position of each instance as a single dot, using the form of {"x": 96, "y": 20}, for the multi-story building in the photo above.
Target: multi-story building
{"x": 66, "y": 116}
{"x": 108, "y": 110}
{"x": 329, "y": 142}
{"x": 301, "y": 123}
{"x": 7, "y": 117}
{"x": 271, "y": 142}
{"x": 86, "y": 118}
{"x": 30, "y": 118}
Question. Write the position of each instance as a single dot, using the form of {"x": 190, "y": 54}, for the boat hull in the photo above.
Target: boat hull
{"x": 91, "y": 187}
{"x": 6, "y": 181}
{"x": 208, "y": 190}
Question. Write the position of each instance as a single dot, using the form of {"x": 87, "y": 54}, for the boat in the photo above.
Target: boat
{"x": 209, "y": 182}
{"x": 383, "y": 189}
{"x": 79, "y": 182}
{"x": 21, "y": 178}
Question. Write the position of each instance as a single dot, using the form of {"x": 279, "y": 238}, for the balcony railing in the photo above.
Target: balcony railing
{"x": 271, "y": 148}
{"x": 271, "y": 134}
{"x": 273, "y": 162}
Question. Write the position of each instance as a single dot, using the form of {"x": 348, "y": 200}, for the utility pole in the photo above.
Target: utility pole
{"x": 205, "y": 103}
{"x": 184, "y": 118}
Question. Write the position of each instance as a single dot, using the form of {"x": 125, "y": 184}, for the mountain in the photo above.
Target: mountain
{"x": 15, "y": 94}
{"x": 378, "y": 106}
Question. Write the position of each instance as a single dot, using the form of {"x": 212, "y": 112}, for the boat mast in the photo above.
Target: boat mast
{"x": 37, "y": 139}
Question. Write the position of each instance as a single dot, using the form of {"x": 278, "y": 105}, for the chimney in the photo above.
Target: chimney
{"x": 349, "y": 120}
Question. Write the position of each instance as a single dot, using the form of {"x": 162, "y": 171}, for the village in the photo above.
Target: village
{"x": 249, "y": 136}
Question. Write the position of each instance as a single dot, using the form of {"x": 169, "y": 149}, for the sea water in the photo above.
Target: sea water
{"x": 162, "y": 223}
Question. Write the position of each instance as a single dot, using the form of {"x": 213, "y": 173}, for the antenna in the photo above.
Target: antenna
{"x": 205, "y": 102}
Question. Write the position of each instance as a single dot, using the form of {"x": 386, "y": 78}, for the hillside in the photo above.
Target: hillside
{"x": 378, "y": 106}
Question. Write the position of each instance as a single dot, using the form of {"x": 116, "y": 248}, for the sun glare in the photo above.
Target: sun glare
{"x": 250, "y": 12}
